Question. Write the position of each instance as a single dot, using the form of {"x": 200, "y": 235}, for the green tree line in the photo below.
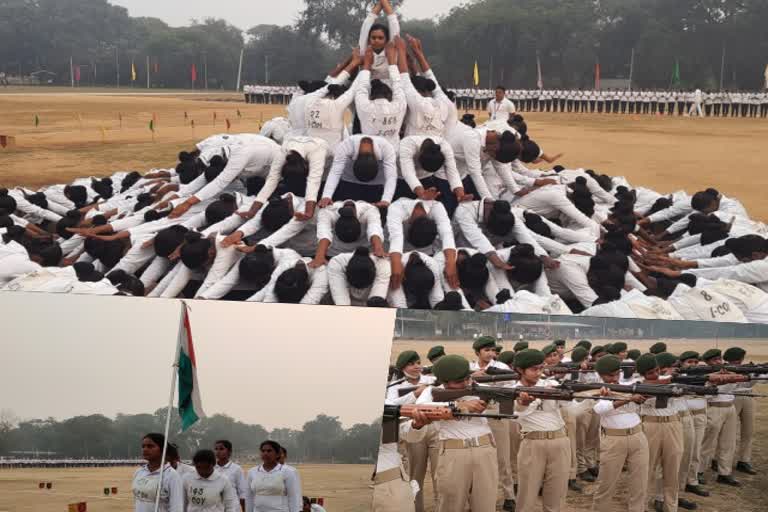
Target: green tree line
{"x": 503, "y": 36}
{"x": 321, "y": 440}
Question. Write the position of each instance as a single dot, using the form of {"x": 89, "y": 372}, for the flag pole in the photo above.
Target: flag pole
{"x": 148, "y": 72}
{"x": 722, "y": 69}
{"x": 240, "y": 69}
{"x": 631, "y": 67}
{"x": 166, "y": 432}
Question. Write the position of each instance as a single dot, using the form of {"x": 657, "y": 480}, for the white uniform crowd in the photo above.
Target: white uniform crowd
{"x": 8, "y": 463}
{"x": 752, "y": 104}
{"x": 406, "y": 207}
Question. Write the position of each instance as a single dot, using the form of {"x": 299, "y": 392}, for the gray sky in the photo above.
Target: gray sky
{"x": 248, "y": 13}
{"x": 271, "y": 364}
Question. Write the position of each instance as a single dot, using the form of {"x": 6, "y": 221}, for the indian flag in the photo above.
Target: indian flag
{"x": 190, "y": 405}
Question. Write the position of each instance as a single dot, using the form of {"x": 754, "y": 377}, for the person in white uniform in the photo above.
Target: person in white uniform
{"x": 500, "y": 107}
{"x": 223, "y": 451}
{"x": 376, "y": 37}
{"x": 270, "y": 487}
{"x": 146, "y": 479}
{"x": 208, "y": 490}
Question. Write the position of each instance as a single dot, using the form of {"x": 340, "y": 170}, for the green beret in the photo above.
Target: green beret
{"x": 645, "y": 363}
{"x": 521, "y": 345}
{"x": 451, "y": 368}
{"x": 658, "y": 348}
{"x": 406, "y": 358}
{"x": 507, "y": 357}
{"x": 548, "y": 349}
{"x": 666, "y": 360}
{"x": 734, "y": 354}
{"x": 484, "y": 342}
{"x": 585, "y": 343}
{"x": 607, "y": 364}
{"x": 596, "y": 350}
{"x": 711, "y": 353}
{"x": 435, "y": 352}
{"x": 607, "y": 348}
{"x": 633, "y": 354}
{"x": 579, "y": 354}
{"x": 528, "y": 357}
{"x": 617, "y": 347}
{"x": 559, "y": 343}
{"x": 498, "y": 348}
{"x": 689, "y": 354}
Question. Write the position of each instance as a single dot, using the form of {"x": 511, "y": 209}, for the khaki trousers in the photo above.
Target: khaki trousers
{"x": 467, "y": 475}
{"x": 699, "y": 429}
{"x": 542, "y": 464}
{"x": 745, "y": 414}
{"x": 514, "y": 446}
{"x": 393, "y": 496}
{"x": 570, "y": 427}
{"x": 615, "y": 451}
{"x": 421, "y": 454}
{"x": 587, "y": 440}
{"x": 719, "y": 439}
{"x": 689, "y": 438}
{"x": 665, "y": 448}
{"x": 501, "y": 434}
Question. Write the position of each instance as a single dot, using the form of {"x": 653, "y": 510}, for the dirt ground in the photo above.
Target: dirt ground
{"x": 344, "y": 487}
{"x": 662, "y": 153}
{"x": 749, "y": 498}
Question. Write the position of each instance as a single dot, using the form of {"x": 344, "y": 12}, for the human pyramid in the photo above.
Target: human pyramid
{"x": 511, "y": 426}
{"x": 406, "y": 207}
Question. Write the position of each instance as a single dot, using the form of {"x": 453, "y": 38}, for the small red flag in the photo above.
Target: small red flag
{"x": 194, "y": 73}
{"x": 597, "y": 76}
{"x": 77, "y": 73}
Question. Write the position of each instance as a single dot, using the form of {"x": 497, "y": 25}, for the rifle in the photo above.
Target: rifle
{"x": 393, "y": 413}
{"x": 715, "y": 379}
{"x": 627, "y": 369}
{"x": 742, "y": 369}
{"x": 506, "y": 396}
{"x": 661, "y": 392}
{"x": 487, "y": 379}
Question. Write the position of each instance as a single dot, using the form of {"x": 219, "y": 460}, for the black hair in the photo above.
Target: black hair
{"x": 528, "y": 266}
{"x": 720, "y": 251}
{"x": 347, "y": 227}
{"x": 6, "y": 221}
{"x": 188, "y": 170}
{"x": 132, "y": 285}
{"x": 38, "y": 199}
{"x": 377, "y": 302}
{"x": 253, "y": 185}
{"x": 292, "y": 285}
{"x": 699, "y": 222}
{"x": 142, "y": 201}
{"x": 473, "y": 271}
{"x": 77, "y": 194}
{"x": 7, "y": 203}
{"x": 169, "y": 239}
{"x": 49, "y": 252}
{"x": 276, "y": 214}
{"x": 418, "y": 282}
{"x": 582, "y": 197}
{"x": 212, "y": 172}
{"x": 380, "y": 90}
{"x": 274, "y": 444}
{"x": 311, "y": 86}
{"x": 530, "y": 152}
{"x": 361, "y": 271}
{"x": 194, "y": 253}
{"x": 86, "y": 273}
{"x": 335, "y": 91}
{"x": 204, "y": 457}
{"x": 606, "y": 294}
{"x": 422, "y": 232}
{"x": 431, "y": 156}
{"x": 295, "y": 170}
{"x": 366, "y": 167}
{"x": 451, "y": 302}
{"x": 172, "y": 452}
{"x": 219, "y": 210}
{"x": 130, "y": 180}
{"x": 225, "y": 443}
{"x": 423, "y": 85}
{"x": 103, "y": 187}
{"x": 714, "y": 235}
{"x": 607, "y": 268}
{"x": 469, "y": 120}
{"x": 702, "y": 200}
{"x": 518, "y": 123}
{"x": 70, "y": 220}
{"x": 501, "y": 88}
{"x": 509, "y": 148}
{"x": 743, "y": 246}
{"x": 660, "y": 204}
{"x": 379, "y": 26}
{"x": 257, "y": 266}
{"x": 158, "y": 439}
{"x": 501, "y": 219}
{"x": 153, "y": 215}
{"x": 535, "y": 223}
{"x": 617, "y": 241}
{"x": 14, "y": 233}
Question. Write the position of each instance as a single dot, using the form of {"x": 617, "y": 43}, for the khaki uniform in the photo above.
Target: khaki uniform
{"x": 720, "y": 436}
{"x": 392, "y": 492}
{"x": 420, "y": 455}
{"x": 616, "y": 450}
{"x": 501, "y": 434}
{"x": 587, "y": 440}
{"x": 745, "y": 415}
{"x": 698, "y": 410}
{"x": 664, "y": 432}
{"x": 689, "y": 438}
{"x": 570, "y": 418}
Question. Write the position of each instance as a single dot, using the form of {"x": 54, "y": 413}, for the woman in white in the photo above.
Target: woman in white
{"x": 208, "y": 490}
{"x": 377, "y": 36}
{"x": 359, "y": 279}
{"x": 146, "y": 480}
{"x": 270, "y": 487}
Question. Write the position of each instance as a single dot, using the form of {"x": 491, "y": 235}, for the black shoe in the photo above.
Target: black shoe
{"x": 686, "y": 504}
{"x": 658, "y": 506}
{"x": 509, "y": 505}
{"x": 745, "y": 467}
{"x": 714, "y": 466}
{"x": 728, "y": 480}
{"x": 515, "y": 489}
{"x": 595, "y": 471}
{"x": 573, "y": 485}
{"x": 586, "y": 476}
{"x": 697, "y": 490}
{"x": 701, "y": 479}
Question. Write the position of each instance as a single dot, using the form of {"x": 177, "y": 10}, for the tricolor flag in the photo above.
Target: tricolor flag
{"x": 676, "y": 74}
{"x": 190, "y": 405}
{"x": 476, "y": 75}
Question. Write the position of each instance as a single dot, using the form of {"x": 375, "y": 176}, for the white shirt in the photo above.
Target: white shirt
{"x": 236, "y": 477}
{"x": 343, "y": 295}
{"x": 430, "y": 116}
{"x": 540, "y": 415}
{"x": 465, "y": 428}
{"x": 412, "y": 172}
{"x": 370, "y": 224}
{"x": 144, "y": 488}
{"x": 398, "y": 298}
{"x": 212, "y": 494}
{"x": 380, "y": 63}
{"x": 313, "y": 150}
{"x": 399, "y": 216}
{"x": 381, "y": 117}
{"x": 278, "y": 490}
{"x": 500, "y": 110}
{"x": 699, "y": 304}
{"x": 344, "y": 157}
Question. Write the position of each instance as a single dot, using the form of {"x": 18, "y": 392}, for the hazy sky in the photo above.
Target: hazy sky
{"x": 275, "y": 365}
{"x": 248, "y": 13}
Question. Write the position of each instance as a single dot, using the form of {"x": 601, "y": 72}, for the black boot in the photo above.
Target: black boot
{"x": 715, "y": 467}
{"x": 658, "y": 506}
{"x": 586, "y": 476}
{"x": 595, "y": 471}
{"x": 745, "y": 467}
{"x": 573, "y": 485}
{"x": 728, "y": 480}
{"x": 686, "y": 504}
{"x": 509, "y": 505}
{"x": 697, "y": 490}
{"x": 700, "y": 477}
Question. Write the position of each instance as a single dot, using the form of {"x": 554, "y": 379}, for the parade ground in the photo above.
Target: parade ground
{"x": 100, "y": 131}
{"x": 345, "y": 488}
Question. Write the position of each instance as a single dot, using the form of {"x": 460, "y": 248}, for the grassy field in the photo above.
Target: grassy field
{"x": 344, "y": 487}
{"x": 663, "y": 153}
{"x": 749, "y": 498}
